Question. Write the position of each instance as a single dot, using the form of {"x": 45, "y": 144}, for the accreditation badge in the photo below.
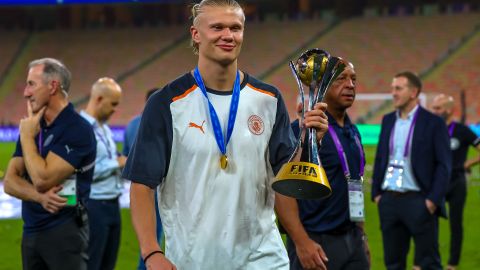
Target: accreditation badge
{"x": 69, "y": 191}
{"x": 394, "y": 174}
{"x": 355, "y": 200}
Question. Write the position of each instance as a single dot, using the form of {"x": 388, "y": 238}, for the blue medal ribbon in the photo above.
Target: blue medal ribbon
{"x": 217, "y": 128}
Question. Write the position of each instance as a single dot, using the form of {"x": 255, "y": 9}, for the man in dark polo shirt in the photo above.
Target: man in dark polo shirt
{"x": 461, "y": 138}
{"x": 328, "y": 233}
{"x": 51, "y": 172}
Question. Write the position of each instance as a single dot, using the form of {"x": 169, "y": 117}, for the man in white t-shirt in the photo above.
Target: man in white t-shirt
{"x": 212, "y": 153}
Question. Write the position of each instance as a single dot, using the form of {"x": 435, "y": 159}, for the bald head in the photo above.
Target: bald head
{"x": 105, "y": 86}
{"x": 104, "y": 98}
{"x": 442, "y": 106}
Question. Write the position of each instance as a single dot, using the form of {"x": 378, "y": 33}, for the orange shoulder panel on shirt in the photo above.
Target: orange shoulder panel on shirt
{"x": 185, "y": 93}
{"x": 261, "y": 90}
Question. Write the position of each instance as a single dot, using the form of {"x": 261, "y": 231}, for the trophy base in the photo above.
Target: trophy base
{"x": 302, "y": 180}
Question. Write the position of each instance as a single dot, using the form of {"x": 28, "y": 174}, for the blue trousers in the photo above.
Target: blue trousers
{"x": 105, "y": 227}
{"x": 141, "y": 265}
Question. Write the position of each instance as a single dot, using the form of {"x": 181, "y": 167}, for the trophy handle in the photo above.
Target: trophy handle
{"x": 335, "y": 66}
{"x": 311, "y": 146}
{"x": 339, "y": 67}
{"x": 302, "y": 116}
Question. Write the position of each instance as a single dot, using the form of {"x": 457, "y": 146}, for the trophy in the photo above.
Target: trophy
{"x": 303, "y": 176}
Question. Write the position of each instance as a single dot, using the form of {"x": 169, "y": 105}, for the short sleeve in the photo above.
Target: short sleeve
{"x": 470, "y": 137}
{"x": 149, "y": 156}
{"x": 18, "y": 149}
{"x": 76, "y": 143}
{"x": 282, "y": 141}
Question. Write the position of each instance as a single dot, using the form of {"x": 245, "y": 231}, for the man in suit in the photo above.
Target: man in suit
{"x": 410, "y": 178}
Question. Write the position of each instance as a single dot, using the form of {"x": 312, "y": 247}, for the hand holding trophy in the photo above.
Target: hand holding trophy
{"x": 303, "y": 176}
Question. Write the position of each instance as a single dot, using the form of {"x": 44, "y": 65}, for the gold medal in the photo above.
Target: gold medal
{"x": 223, "y": 162}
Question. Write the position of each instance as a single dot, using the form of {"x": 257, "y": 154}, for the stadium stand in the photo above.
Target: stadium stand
{"x": 382, "y": 46}
{"x": 378, "y": 46}
{"x": 10, "y": 46}
{"x": 461, "y": 72}
{"x": 265, "y": 45}
{"x": 89, "y": 54}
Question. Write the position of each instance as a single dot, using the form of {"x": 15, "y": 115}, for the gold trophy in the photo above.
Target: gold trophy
{"x": 303, "y": 176}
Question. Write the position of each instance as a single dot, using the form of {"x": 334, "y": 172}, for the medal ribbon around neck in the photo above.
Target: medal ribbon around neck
{"x": 217, "y": 128}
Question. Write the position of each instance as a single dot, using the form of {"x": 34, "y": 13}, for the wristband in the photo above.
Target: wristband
{"x": 150, "y": 255}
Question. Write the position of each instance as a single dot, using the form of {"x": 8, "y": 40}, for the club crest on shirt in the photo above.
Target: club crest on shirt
{"x": 454, "y": 143}
{"x": 255, "y": 124}
{"x": 48, "y": 140}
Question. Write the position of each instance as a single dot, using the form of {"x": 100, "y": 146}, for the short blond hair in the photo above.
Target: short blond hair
{"x": 197, "y": 9}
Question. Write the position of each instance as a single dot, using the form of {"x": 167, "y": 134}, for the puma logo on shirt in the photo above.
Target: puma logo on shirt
{"x": 68, "y": 149}
{"x": 191, "y": 124}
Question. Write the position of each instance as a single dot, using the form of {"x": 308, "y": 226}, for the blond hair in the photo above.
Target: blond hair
{"x": 197, "y": 9}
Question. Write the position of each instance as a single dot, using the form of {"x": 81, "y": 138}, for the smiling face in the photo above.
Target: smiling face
{"x": 218, "y": 33}
{"x": 341, "y": 93}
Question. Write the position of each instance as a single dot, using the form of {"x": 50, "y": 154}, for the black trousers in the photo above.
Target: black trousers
{"x": 344, "y": 251}
{"x": 456, "y": 196}
{"x": 403, "y": 217}
{"x": 59, "y": 248}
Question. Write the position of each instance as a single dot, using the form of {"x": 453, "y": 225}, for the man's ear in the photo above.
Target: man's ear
{"x": 195, "y": 34}
{"x": 54, "y": 87}
{"x": 415, "y": 92}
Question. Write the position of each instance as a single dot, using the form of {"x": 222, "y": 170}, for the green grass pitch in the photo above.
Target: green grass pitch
{"x": 11, "y": 230}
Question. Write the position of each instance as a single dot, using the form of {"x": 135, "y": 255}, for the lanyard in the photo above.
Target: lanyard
{"x": 217, "y": 129}
{"x": 451, "y": 127}
{"x": 40, "y": 141}
{"x": 410, "y": 132}
{"x": 104, "y": 140}
{"x": 342, "y": 156}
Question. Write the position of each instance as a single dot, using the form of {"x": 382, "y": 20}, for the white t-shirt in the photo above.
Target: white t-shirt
{"x": 215, "y": 218}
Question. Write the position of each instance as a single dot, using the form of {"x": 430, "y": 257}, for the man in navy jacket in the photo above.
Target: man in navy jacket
{"x": 410, "y": 178}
